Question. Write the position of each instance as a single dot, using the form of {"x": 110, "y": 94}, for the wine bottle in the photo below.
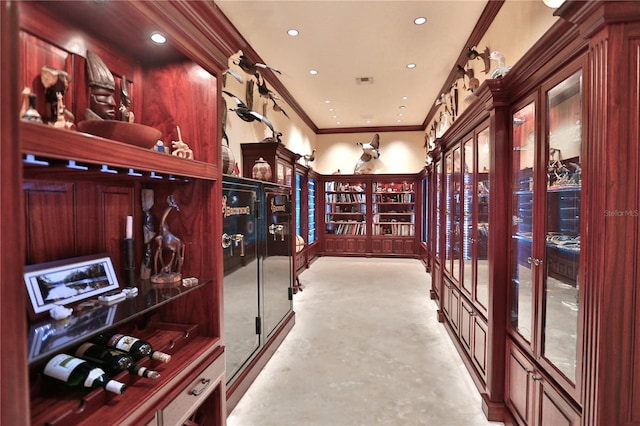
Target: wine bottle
{"x": 76, "y": 372}
{"x": 133, "y": 346}
{"x": 112, "y": 361}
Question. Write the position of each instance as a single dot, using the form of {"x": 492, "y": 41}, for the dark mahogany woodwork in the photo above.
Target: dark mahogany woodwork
{"x": 58, "y": 212}
{"x": 521, "y": 386}
{"x": 366, "y": 243}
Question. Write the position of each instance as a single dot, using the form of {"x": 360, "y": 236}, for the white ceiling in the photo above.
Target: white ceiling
{"x": 346, "y": 40}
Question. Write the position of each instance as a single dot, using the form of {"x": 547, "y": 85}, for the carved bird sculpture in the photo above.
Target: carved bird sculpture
{"x": 265, "y": 92}
{"x": 502, "y": 69}
{"x": 249, "y": 115}
{"x": 251, "y": 67}
{"x": 370, "y": 151}
{"x": 308, "y": 158}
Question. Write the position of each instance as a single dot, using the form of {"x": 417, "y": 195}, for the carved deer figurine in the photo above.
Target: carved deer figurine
{"x": 166, "y": 240}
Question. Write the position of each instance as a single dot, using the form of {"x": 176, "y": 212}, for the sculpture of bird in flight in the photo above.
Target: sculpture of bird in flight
{"x": 308, "y": 158}
{"x": 249, "y": 115}
{"x": 370, "y": 151}
{"x": 251, "y": 67}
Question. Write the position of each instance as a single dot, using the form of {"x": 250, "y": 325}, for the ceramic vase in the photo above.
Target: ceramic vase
{"x": 261, "y": 170}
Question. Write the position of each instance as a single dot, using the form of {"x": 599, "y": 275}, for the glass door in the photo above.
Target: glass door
{"x": 468, "y": 233}
{"x": 240, "y": 244}
{"x": 311, "y": 224}
{"x": 481, "y": 237}
{"x": 562, "y": 246}
{"x": 522, "y": 201}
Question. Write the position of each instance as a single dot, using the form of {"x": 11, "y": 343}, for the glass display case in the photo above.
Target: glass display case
{"x": 311, "y": 213}
{"x": 546, "y": 184}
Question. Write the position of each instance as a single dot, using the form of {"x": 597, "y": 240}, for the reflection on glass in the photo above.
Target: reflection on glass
{"x": 468, "y": 238}
{"x": 448, "y": 210}
{"x": 298, "y": 203}
{"x": 522, "y": 186}
{"x": 276, "y": 261}
{"x": 438, "y": 170}
{"x": 482, "y": 229}
{"x": 311, "y": 185}
{"x": 563, "y": 225}
{"x": 240, "y": 258}
{"x": 456, "y": 212}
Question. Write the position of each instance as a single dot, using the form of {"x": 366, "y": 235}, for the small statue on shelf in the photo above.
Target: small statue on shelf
{"x": 125, "y": 102}
{"x": 28, "y": 111}
{"x": 148, "y": 232}
{"x": 180, "y": 148}
{"x": 56, "y": 84}
{"x": 102, "y": 105}
{"x": 168, "y": 272}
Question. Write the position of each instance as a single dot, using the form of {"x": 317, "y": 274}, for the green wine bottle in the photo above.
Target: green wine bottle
{"x": 133, "y": 346}
{"x": 76, "y": 372}
{"x": 112, "y": 361}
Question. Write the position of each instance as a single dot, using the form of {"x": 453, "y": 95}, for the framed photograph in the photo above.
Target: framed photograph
{"x": 68, "y": 281}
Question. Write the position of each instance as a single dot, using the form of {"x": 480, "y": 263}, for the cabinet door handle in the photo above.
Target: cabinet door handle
{"x": 205, "y": 383}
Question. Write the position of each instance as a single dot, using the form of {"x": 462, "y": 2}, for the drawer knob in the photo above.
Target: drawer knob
{"x": 205, "y": 383}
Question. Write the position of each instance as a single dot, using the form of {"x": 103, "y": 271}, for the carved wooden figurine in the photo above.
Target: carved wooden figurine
{"x": 168, "y": 272}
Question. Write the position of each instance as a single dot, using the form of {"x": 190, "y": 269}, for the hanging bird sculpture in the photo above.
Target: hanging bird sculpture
{"x": 370, "y": 151}
{"x": 502, "y": 69}
{"x": 308, "y": 158}
{"x": 248, "y": 115}
{"x": 267, "y": 93}
{"x": 251, "y": 67}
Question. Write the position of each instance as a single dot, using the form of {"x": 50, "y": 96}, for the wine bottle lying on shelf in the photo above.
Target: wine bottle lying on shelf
{"x": 76, "y": 372}
{"x": 133, "y": 346}
{"x": 112, "y": 361}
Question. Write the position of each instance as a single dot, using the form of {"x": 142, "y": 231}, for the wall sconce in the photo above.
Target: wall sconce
{"x": 472, "y": 54}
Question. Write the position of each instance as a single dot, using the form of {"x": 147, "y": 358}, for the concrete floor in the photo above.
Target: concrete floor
{"x": 366, "y": 350}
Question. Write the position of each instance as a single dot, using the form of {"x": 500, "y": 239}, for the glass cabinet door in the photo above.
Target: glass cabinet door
{"x": 563, "y": 191}
{"x": 468, "y": 239}
{"x": 522, "y": 186}
{"x": 456, "y": 225}
{"x": 311, "y": 212}
{"x": 438, "y": 203}
{"x": 481, "y": 237}
{"x": 448, "y": 211}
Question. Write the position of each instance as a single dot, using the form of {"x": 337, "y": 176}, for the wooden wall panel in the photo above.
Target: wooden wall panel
{"x": 36, "y": 54}
{"x": 172, "y": 95}
{"x": 50, "y": 219}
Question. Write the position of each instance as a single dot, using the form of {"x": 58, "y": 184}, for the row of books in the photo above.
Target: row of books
{"x": 399, "y": 229}
{"x": 346, "y": 197}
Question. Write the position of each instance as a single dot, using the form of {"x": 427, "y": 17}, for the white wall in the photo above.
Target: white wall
{"x": 400, "y": 152}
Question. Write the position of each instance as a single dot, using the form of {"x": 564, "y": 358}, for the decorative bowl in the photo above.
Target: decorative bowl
{"x": 131, "y": 133}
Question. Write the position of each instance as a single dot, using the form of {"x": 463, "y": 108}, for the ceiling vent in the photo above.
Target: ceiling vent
{"x": 364, "y": 80}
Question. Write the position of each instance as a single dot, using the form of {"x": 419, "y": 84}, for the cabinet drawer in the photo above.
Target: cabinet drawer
{"x": 190, "y": 398}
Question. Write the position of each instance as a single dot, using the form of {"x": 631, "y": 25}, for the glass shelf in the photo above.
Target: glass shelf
{"x": 50, "y": 336}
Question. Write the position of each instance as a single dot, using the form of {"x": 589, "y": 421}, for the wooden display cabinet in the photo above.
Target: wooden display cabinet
{"x": 305, "y": 218}
{"x": 372, "y": 215}
{"x": 281, "y": 160}
{"x": 73, "y": 192}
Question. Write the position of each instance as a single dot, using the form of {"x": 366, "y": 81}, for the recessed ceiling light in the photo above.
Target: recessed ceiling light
{"x": 402, "y": 107}
{"x": 411, "y": 66}
{"x": 313, "y": 72}
{"x": 158, "y": 38}
{"x": 334, "y": 116}
{"x": 398, "y": 121}
{"x": 293, "y": 32}
{"x": 338, "y": 122}
{"x": 554, "y": 4}
{"x": 330, "y": 109}
{"x": 404, "y": 98}
{"x": 327, "y": 101}
{"x": 419, "y": 21}
{"x": 400, "y": 114}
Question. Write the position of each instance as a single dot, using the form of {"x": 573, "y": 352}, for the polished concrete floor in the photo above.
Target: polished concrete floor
{"x": 366, "y": 349}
